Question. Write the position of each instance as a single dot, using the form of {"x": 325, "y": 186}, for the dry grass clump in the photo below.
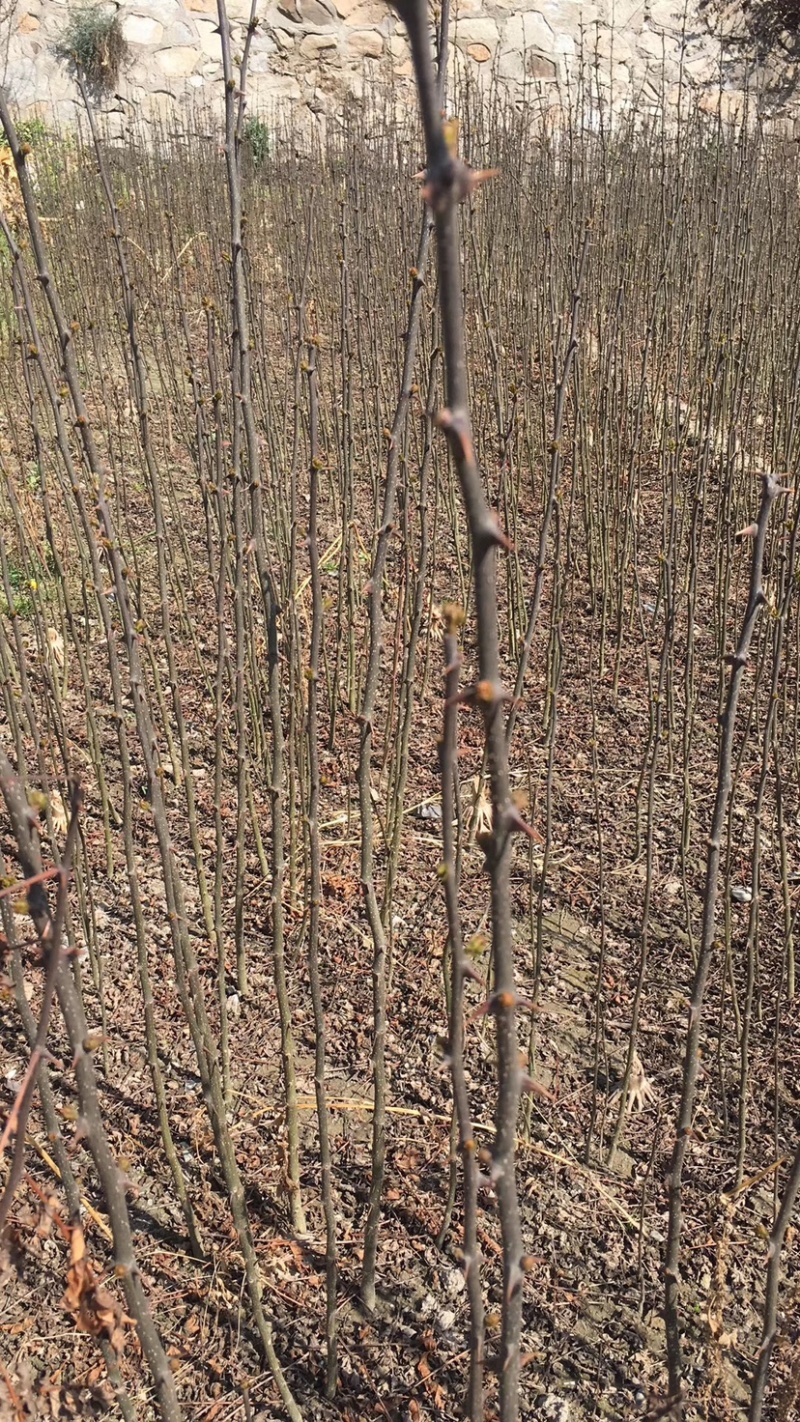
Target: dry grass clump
{"x": 93, "y": 43}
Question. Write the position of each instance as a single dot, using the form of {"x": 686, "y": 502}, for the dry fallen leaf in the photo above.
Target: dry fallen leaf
{"x": 640, "y": 1091}
{"x": 95, "y": 1310}
{"x": 55, "y": 644}
{"x": 59, "y": 812}
{"x": 483, "y": 808}
{"x": 10, "y": 194}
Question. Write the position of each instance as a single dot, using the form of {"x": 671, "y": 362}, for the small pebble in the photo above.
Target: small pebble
{"x": 454, "y": 1283}
{"x": 554, "y": 1408}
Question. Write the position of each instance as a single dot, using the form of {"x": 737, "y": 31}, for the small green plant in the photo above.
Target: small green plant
{"x": 33, "y": 477}
{"x": 22, "y": 588}
{"x": 93, "y": 43}
{"x": 26, "y": 578}
{"x": 256, "y": 135}
{"x": 31, "y": 131}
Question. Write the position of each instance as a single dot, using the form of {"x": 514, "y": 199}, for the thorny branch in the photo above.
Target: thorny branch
{"x": 447, "y": 182}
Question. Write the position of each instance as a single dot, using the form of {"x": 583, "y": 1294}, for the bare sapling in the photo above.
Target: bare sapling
{"x": 448, "y": 181}
{"x": 372, "y": 903}
{"x": 59, "y": 980}
{"x": 241, "y": 368}
{"x": 770, "y": 1325}
{"x": 459, "y": 971}
{"x": 738, "y": 660}
{"x": 315, "y": 884}
{"x": 52, "y": 947}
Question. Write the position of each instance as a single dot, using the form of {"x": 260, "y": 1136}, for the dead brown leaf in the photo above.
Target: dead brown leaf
{"x": 95, "y": 1310}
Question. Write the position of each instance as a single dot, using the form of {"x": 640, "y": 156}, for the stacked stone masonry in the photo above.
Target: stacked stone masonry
{"x": 319, "y": 54}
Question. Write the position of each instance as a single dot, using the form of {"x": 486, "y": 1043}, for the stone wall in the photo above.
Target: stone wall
{"x": 317, "y": 53}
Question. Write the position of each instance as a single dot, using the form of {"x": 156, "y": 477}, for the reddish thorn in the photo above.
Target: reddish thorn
{"x": 515, "y": 822}
{"x": 500, "y": 537}
{"x": 533, "y": 1088}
